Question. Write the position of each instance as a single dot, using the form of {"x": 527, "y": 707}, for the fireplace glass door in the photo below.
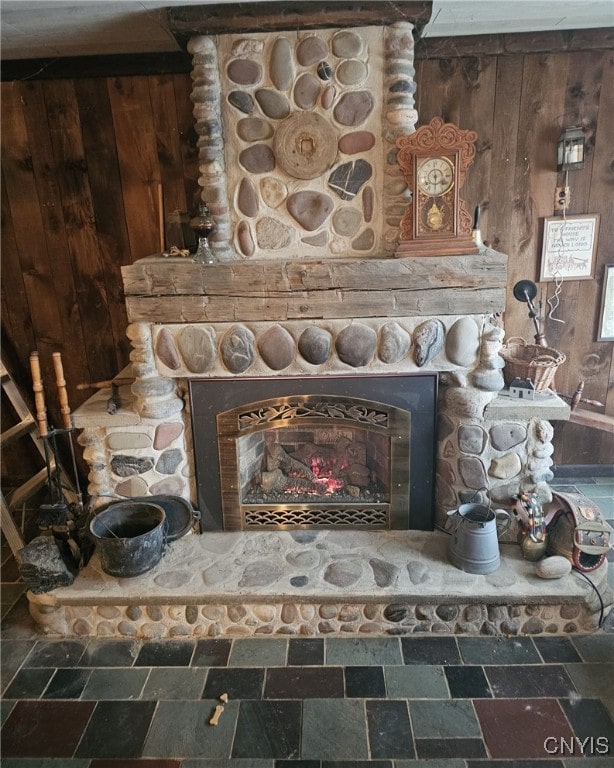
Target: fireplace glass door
{"x": 319, "y": 452}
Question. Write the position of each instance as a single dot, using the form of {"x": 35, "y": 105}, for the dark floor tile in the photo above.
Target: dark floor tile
{"x": 516, "y": 764}
{"x": 110, "y": 653}
{"x": 444, "y": 718}
{"x": 268, "y": 729}
{"x": 297, "y": 764}
{"x": 355, "y": 763}
{"x": 45, "y": 728}
{"x": 306, "y": 651}
{"x": 55, "y": 653}
{"x": 304, "y": 683}
{"x": 237, "y": 682}
{"x": 556, "y": 650}
{"x": 136, "y": 763}
{"x": 182, "y": 729}
{"x": 389, "y": 730}
{"x": 67, "y": 683}
{"x": 518, "y": 728}
{"x": 12, "y": 654}
{"x": 334, "y": 729}
{"x": 29, "y": 683}
{"x": 212, "y": 653}
{"x": 498, "y": 650}
{"x": 114, "y": 683}
{"x": 430, "y": 650}
{"x": 589, "y": 718}
{"x": 531, "y": 681}
{"x": 467, "y": 682}
{"x": 165, "y": 653}
{"x": 430, "y": 749}
{"x": 595, "y": 648}
{"x": 364, "y": 682}
{"x": 362, "y": 651}
{"x": 117, "y": 729}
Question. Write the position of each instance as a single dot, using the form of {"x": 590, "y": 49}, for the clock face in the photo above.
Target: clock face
{"x": 435, "y": 176}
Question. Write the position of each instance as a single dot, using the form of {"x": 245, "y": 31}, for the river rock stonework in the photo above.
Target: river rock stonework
{"x": 314, "y": 112}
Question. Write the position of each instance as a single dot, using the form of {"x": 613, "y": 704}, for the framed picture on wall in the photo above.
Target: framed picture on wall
{"x": 569, "y": 247}
{"x": 605, "y": 332}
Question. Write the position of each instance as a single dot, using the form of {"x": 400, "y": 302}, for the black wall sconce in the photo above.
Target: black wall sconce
{"x": 570, "y": 149}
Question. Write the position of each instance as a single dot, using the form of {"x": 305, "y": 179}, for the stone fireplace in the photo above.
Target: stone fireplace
{"x": 310, "y": 356}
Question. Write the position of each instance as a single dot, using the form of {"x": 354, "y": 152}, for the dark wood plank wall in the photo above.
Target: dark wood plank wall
{"x": 82, "y": 160}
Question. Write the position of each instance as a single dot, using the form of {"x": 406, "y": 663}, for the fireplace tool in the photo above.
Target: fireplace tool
{"x": 55, "y": 514}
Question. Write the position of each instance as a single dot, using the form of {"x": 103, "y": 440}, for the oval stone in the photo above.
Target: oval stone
{"x": 257, "y": 159}
{"x": 247, "y": 198}
{"x": 281, "y": 65}
{"x": 277, "y": 347}
{"x": 310, "y": 209}
{"x": 394, "y": 343}
{"x": 346, "y": 221}
{"x": 274, "y": 104}
{"x": 315, "y": 345}
{"x": 357, "y": 141}
{"x": 244, "y": 71}
{"x": 346, "y": 44}
{"x": 310, "y": 50}
{"x": 368, "y": 200}
{"x": 353, "y": 108}
{"x": 245, "y": 241}
{"x": 356, "y": 344}
{"x": 463, "y": 342}
{"x": 328, "y": 96}
{"x": 273, "y": 191}
{"x": 428, "y": 341}
{"x": 242, "y": 101}
{"x": 254, "y": 129}
{"x": 306, "y": 91}
{"x": 352, "y": 72}
{"x": 554, "y": 567}
{"x": 324, "y": 70}
{"x": 237, "y": 349}
{"x": 166, "y": 350}
{"x": 197, "y": 347}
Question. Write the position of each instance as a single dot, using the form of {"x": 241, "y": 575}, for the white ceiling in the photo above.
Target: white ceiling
{"x": 59, "y": 28}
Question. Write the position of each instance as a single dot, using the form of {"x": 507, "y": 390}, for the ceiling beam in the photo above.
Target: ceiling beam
{"x": 232, "y": 18}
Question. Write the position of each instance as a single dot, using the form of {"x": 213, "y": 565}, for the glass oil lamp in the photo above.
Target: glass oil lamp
{"x": 203, "y": 225}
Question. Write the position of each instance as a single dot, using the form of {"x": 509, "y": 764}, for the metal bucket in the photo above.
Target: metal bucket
{"x": 474, "y": 544}
{"x": 129, "y": 537}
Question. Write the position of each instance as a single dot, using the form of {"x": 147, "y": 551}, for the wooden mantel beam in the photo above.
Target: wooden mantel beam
{"x": 176, "y": 290}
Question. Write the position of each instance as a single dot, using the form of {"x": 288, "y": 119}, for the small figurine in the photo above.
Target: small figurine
{"x": 522, "y": 389}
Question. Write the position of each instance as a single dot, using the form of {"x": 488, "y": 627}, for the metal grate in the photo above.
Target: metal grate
{"x": 372, "y": 516}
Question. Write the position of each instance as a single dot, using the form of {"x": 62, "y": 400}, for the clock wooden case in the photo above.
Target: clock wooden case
{"x": 434, "y": 161}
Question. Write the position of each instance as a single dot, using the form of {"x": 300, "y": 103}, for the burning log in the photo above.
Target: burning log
{"x": 277, "y": 482}
{"x": 279, "y": 458}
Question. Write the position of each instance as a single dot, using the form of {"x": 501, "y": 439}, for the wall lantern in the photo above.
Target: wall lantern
{"x": 570, "y": 155}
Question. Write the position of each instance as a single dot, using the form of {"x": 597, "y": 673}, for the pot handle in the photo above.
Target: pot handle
{"x": 452, "y": 513}
{"x": 504, "y": 520}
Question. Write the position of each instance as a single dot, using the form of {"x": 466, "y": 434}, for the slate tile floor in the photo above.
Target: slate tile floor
{"x": 334, "y": 702}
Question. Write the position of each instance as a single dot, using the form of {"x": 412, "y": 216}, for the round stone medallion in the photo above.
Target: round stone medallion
{"x": 305, "y": 145}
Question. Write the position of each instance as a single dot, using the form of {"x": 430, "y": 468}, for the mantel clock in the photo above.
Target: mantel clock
{"x": 434, "y": 161}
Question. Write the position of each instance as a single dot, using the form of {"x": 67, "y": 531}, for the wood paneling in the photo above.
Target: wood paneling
{"x": 82, "y": 159}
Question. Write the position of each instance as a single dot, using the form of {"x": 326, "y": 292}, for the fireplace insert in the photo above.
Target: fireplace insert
{"x": 316, "y": 452}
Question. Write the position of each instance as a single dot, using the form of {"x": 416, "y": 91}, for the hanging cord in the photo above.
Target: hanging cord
{"x": 554, "y": 301}
{"x": 602, "y": 607}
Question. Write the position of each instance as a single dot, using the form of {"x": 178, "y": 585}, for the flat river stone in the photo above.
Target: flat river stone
{"x": 244, "y": 71}
{"x": 310, "y": 50}
{"x": 310, "y": 209}
{"x": 315, "y": 345}
{"x": 356, "y": 344}
{"x": 353, "y": 108}
{"x": 197, "y": 347}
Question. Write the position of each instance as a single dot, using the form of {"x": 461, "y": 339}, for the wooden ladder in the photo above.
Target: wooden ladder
{"x": 25, "y": 426}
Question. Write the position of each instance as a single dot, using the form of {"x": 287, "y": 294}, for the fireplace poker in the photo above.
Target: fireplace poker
{"x": 66, "y": 419}
{"x": 57, "y": 508}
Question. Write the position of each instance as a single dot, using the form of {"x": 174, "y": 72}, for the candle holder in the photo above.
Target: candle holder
{"x": 203, "y": 225}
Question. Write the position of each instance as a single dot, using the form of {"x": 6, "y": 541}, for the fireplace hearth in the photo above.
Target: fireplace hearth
{"x": 321, "y": 452}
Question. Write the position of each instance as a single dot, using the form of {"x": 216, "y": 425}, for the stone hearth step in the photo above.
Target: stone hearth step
{"x": 308, "y": 582}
